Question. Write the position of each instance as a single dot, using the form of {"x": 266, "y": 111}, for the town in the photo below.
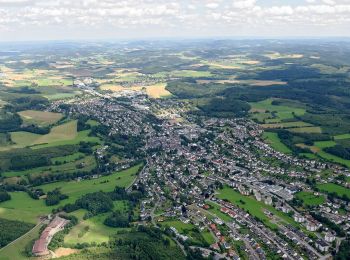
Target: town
{"x": 198, "y": 168}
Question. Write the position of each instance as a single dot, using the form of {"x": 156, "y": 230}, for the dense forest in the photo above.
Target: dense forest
{"x": 10, "y": 230}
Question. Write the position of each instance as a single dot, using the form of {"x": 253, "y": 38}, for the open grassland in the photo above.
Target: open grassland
{"x": 87, "y": 164}
{"x": 23, "y": 139}
{"x": 273, "y": 140}
{"x": 342, "y": 137}
{"x": 69, "y": 158}
{"x": 191, "y": 74}
{"x": 57, "y": 96}
{"x": 215, "y": 209}
{"x": 67, "y": 131}
{"x": 277, "y": 113}
{"x": 331, "y": 187}
{"x": 41, "y": 118}
{"x": 92, "y": 229}
{"x": 179, "y": 225}
{"x": 23, "y": 208}
{"x": 82, "y": 136}
{"x": 157, "y": 91}
{"x": 253, "y": 206}
{"x": 309, "y": 199}
{"x": 15, "y": 251}
{"x": 307, "y": 129}
{"x": 60, "y": 133}
{"x": 75, "y": 189}
{"x": 318, "y": 147}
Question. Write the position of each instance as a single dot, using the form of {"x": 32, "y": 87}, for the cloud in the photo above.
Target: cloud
{"x": 188, "y": 17}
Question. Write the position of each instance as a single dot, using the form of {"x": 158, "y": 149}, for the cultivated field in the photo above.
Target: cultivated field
{"x": 41, "y": 118}
{"x": 60, "y": 133}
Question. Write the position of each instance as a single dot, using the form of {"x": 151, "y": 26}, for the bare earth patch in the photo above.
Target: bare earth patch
{"x": 62, "y": 251}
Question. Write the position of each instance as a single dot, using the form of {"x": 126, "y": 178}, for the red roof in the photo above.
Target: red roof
{"x": 39, "y": 246}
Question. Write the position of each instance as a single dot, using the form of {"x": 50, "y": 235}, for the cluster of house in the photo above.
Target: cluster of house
{"x": 40, "y": 247}
{"x": 189, "y": 159}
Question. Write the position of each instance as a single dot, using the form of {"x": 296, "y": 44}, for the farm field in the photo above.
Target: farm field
{"x": 331, "y": 187}
{"x": 153, "y": 91}
{"x": 81, "y": 136}
{"x": 158, "y": 91}
{"x": 309, "y": 199}
{"x": 61, "y": 133}
{"x": 41, "y": 118}
{"x": 275, "y": 142}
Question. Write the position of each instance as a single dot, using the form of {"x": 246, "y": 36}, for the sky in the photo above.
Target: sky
{"x": 28, "y": 20}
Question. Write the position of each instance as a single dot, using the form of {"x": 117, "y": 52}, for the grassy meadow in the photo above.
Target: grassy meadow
{"x": 40, "y": 118}
{"x": 24, "y": 208}
{"x": 309, "y": 199}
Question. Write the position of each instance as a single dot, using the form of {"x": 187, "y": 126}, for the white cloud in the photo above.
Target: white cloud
{"x": 181, "y": 17}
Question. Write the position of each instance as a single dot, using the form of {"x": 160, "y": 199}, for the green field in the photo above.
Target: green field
{"x": 341, "y": 137}
{"x": 15, "y": 250}
{"x": 275, "y": 142}
{"x": 69, "y": 158}
{"x": 41, "y": 118}
{"x": 91, "y": 230}
{"x": 254, "y": 207}
{"x": 186, "y": 229}
{"x": 331, "y": 187}
{"x": 311, "y": 129}
{"x": 179, "y": 225}
{"x": 22, "y": 207}
{"x": 215, "y": 209}
{"x": 333, "y": 158}
{"x": 82, "y": 136}
{"x": 280, "y": 112}
{"x": 23, "y": 139}
{"x": 65, "y": 133}
{"x": 76, "y": 189}
{"x": 86, "y": 163}
{"x": 191, "y": 74}
{"x": 325, "y": 144}
{"x": 318, "y": 147}
{"x": 309, "y": 199}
